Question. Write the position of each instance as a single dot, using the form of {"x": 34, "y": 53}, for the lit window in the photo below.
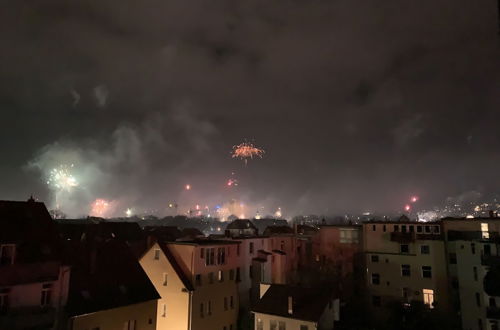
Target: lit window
{"x": 428, "y": 297}
{"x": 485, "y": 231}
{"x": 220, "y": 276}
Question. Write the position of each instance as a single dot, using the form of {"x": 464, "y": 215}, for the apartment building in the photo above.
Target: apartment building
{"x": 473, "y": 253}
{"x": 406, "y": 262}
{"x": 33, "y": 277}
{"x": 197, "y": 282}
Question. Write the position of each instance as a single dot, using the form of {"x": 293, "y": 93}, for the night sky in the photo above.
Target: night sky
{"x": 358, "y": 104}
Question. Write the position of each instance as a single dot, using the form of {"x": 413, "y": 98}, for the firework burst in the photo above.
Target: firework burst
{"x": 247, "y": 150}
{"x": 61, "y": 179}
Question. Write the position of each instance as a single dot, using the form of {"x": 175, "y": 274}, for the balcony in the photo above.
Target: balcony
{"x": 489, "y": 260}
{"x": 434, "y": 237}
{"x": 493, "y": 313}
{"x": 401, "y": 237}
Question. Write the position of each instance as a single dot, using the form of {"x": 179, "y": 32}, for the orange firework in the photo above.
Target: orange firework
{"x": 247, "y": 150}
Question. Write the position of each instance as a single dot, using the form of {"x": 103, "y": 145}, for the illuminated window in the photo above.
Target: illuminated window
{"x": 220, "y": 276}
{"x": 46, "y": 294}
{"x": 157, "y": 254}
{"x": 428, "y": 295}
{"x": 484, "y": 231}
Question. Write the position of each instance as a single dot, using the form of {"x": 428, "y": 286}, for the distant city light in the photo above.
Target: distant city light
{"x": 188, "y": 187}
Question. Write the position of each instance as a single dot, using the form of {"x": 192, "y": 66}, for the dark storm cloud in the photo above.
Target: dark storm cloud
{"x": 358, "y": 104}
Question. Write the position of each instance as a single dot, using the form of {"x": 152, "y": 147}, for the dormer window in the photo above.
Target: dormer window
{"x": 7, "y": 254}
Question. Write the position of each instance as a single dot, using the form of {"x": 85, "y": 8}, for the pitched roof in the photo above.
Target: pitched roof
{"x": 176, "y": 266}
{"x": 105, "y": 275}
{"x": 241, "y": 224}
{"x": 273, "y": 230}
{"x": 308, "y": 303}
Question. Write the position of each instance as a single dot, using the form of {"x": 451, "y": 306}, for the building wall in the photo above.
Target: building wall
{"x": 291, "y": 324}
{"x": 173, "y": 307}
{"x": 392, "y": 284}
{"x": 143, "y": 314}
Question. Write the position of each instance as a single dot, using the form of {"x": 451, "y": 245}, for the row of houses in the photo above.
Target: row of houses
{"x": 97, "y": 275}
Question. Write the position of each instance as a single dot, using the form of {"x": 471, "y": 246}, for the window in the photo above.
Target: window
{"x": 198, "y": 279}
{"x": 374, "y": 227}
{"x": 478, "y": 299}
{"x": 209, "y": 307}
{"x": 231, "y": 274}
{"x": 221, "y": 256}
{"x": 282, "y": 246}
{"x": 479, "y": 324}
{"x": 260, "y": 324}
{"x": 202, "y": 253}
{"x": 493, "y": 325}
{"x": 224, "y": 328}
{"x": 238, "y": 275}
{"x": 238, "y": 250}
{"x": 251, "y": 247}
{"x": 384, "y": 228}
{"x": 231, "y": 302}
{"x": 225, "y": 303}
{"x": 404, "y": 248}
{"x": 492, "y": 302}
{"x": 157, "y": 254}
{"x": 163, "y": 310}
{"x": 453, "y": 258}
{"x": 485, "y": 231}
{"x": 472, "y": 248}
{"x": 474, "y": 271}
{"x": 281, "y": 325}
{"x": 4, "y": 299}
{"x": 46, "y": 294}
{"x": 7, "y": 254}
{"x": 129, "y": 325}
{"x": 374, "y": 258}
{"x": 487, "y": 250}
{"x": 419, "y": 229}
{"x": 210, "y": 257}
{"x": 396, "y": 228}
{"x": 375, "y": 279}
{"x": 427, "y": 229}
{"x": 426, "y": 271}
{"x": 349, "y": 236}
{"x": 304, "y": 327}
{"x": 210, "y": 278}
{"x": 230, "y": 327}
{"x": 425, "y": 249}
{"x": 412, "y": 229}
{"x": 405, "y": 270}
{"x": 406, "y": 293}
{"x": 202, "y": 310}
{"x": 428, "y": 296}
{"x": 250, "y": 271}
{"x": 165, "y": 279}
{"x": 220, "y": 276}
{"x": 437, "y": 229}
{"x": 273, "y": 325}
{"x": 403, "y": 228}
{"x": 376, "y": 301}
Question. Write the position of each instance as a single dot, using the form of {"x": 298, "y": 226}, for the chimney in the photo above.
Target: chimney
{"x": 290, "y": 305}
